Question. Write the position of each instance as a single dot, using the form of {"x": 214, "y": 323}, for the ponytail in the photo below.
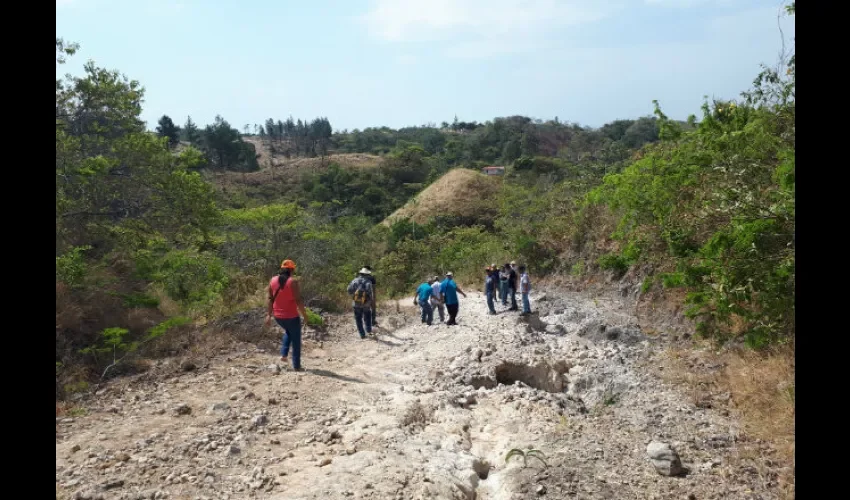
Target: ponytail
{"x": 283, "y": 276}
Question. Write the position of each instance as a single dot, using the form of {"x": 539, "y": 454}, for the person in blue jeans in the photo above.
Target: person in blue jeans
{"x": 423, "y": 298}
{"x": 287, "y": 308}
{"x": 525, "y": 289}
{"x": 504, "y": 274}
{"x": 492, "y": 277}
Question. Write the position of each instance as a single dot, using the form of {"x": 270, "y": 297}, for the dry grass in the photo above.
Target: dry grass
{"x": 460, "y": 192}
{"x": 757, "y": 387}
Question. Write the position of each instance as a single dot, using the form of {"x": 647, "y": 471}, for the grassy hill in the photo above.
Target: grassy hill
{"x": 270, "y": 159}
{"x": 461, "y": 192}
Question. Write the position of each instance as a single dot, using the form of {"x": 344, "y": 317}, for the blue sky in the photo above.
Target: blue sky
{"x": 368, "y": 63}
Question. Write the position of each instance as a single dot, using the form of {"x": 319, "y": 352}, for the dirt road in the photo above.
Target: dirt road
{"x": 419, "y": 412}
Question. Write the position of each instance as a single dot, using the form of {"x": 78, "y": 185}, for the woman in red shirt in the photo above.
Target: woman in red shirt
{"x": 284, "y": 304}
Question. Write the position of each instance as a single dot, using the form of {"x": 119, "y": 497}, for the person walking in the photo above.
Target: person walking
{"x": 285, "y": 305}
{"x": 512, "y": 285}
{"x": 371, "y": 277}
{"x": 437, "y": 298}
{"x": 423, "y": 298}
{"x": 360, "y": 290}
{"x": 504, "y": 274}
{"x": 449, "y": 289}
{"x": 490, "y": 288}
{"x": 525, "y": 289}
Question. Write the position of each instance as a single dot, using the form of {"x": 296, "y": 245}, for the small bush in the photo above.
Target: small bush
{"x": 314, "y": 319}
{"x": 70, "y": 266}
{"x": 613, "y": 262}
{"x": 140, "y": 300}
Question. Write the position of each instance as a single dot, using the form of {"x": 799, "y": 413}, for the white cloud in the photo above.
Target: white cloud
{"x": 475, "y": 20}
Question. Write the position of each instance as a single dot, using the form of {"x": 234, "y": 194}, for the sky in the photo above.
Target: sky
{"x": 369, "y": 63}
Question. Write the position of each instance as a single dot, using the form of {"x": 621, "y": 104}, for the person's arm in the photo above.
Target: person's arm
{"x": 270, "y": 309}
{"x": 296, "y": 293}
{"x": 460, "y": 291}
{"x": 416, "y": 297}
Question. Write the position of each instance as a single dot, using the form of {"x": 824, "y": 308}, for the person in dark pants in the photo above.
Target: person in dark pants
{"x": 422, "y": 297}
{"x": 449, "y": 289}
{"x": 360, "y": 290}
{"x": 371, "y": 277}
{"x": 284, "y": 305}
{"x": 504, "y": 274}
{"x": 512, "y": 285}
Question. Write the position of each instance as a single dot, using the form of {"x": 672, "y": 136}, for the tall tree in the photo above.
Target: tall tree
{"x": 191, "y": 134}
{"x": 167, "y": 128}
{"x": 222, "y": 143}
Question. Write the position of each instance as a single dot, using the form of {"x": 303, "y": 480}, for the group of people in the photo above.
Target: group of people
{"x": 286, "y": 306}
{"x": 499, "y": 284}
{"x": 503, "y": 281}
{"x": 440, "y": 295}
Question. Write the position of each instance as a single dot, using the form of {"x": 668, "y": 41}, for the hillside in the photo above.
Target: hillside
{"x": 460, "y": 193}
{"x": 269, "y": 159}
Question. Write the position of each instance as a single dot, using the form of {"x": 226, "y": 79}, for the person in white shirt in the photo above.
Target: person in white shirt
{"x": 524, "y": 288}
{"x": 437, "y": 301}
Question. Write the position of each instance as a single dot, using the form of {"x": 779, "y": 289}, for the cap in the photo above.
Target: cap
{"x": 449, "y": 274}
{"x": 287, "y": 264}
{"x": 513, "y": 262}
{"x": 364, "y": 271}
{"x": 436, "y": 278}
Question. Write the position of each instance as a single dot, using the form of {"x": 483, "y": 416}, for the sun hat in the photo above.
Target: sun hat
{"x": 287, "y": 264}
{"x": 365, "y": 271}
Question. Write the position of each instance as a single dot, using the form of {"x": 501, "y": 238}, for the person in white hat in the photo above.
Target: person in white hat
{"x": 449, "y": 290}
{"x": 362, "y": 295}
{"x": 437, "y": 298}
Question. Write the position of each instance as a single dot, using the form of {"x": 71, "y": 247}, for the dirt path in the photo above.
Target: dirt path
{"x": 420, "y": 412}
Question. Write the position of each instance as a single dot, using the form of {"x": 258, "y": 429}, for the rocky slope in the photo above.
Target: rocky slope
{"x": 419, "y": 412}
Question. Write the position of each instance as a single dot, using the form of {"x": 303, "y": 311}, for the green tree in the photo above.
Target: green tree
{"x": 191, "y": 134}
{"x": 167, "y": 128}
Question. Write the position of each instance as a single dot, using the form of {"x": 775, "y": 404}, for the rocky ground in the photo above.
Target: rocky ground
{"x": 419, "y": 412}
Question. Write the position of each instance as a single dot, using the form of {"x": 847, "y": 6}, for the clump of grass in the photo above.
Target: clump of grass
{"x": 760, "y": 385}
{"x": 417, "y": 416}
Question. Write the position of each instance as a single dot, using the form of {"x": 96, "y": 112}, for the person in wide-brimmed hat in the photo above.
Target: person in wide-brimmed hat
{"x": 362, "y": 294}
{"x": 284, "y": 305}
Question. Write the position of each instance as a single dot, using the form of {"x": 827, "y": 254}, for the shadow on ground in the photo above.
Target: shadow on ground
{"x": 330, "y": 374}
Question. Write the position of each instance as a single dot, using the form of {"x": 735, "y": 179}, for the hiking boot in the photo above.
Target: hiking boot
{"x": 298, "y": 369}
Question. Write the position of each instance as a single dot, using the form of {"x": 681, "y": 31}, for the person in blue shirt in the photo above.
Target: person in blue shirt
{"x": 449, "y": 289}
{"x": 423, "y": 298}
{"x": 490, "y": 285}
